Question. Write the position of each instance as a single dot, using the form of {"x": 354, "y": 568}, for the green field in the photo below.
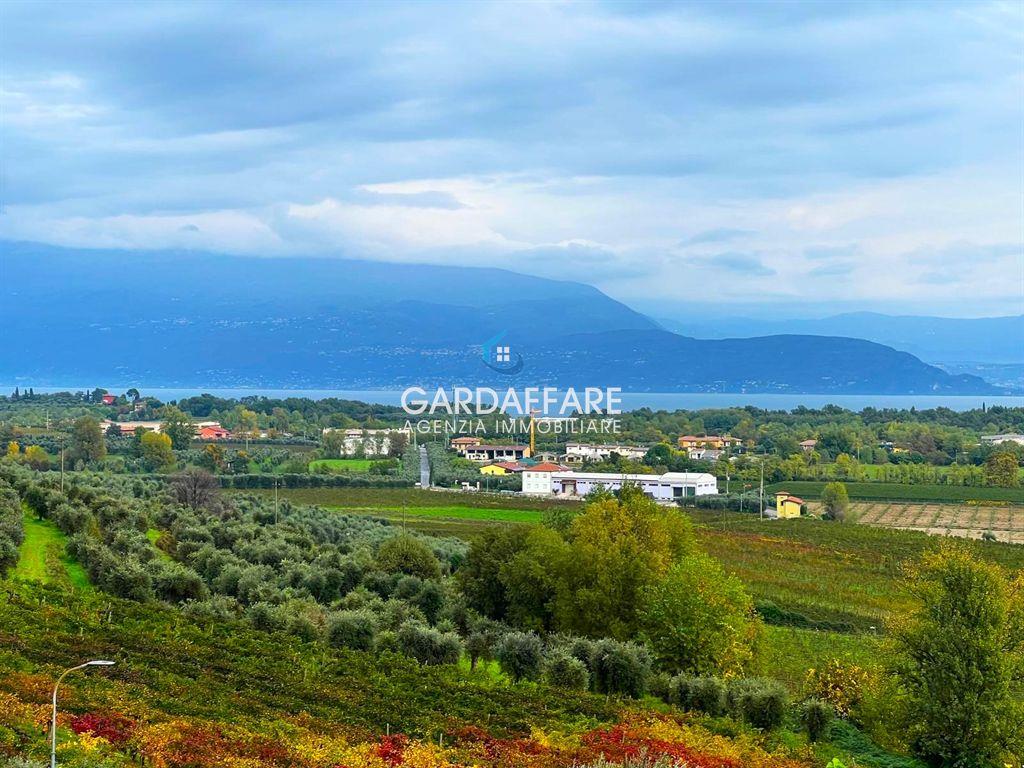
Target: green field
{"x": 43, "y": 556}
{"x": 341, "y": 465}
{"x": 811, "y": 489}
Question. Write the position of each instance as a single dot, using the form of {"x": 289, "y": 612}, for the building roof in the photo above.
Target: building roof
{"x": 782, "y": 500}
{"x": 546, "y": 466}
{"x": 809, "y": 442}
{"x": 462, "y": 440}
{"x": 502, "y": 447}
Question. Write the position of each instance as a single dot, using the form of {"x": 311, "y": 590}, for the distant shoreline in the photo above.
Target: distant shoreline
{"x": 668, "y": 401}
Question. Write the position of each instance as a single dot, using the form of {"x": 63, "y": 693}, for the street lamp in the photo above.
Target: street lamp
{"x": 53, "y": 725}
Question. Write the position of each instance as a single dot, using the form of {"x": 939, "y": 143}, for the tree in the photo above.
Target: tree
{"x": 178, "y": 426}
{"x": 133, "y": 394}
{"x": 520, "y": 655}
{"x": 156, "y": 450}
{"x": 698, "y": 619}
{"x": 407, "y": 554}
{"x": 961, "y": 655}
{"x": 195, "y": 488}
{"x": 1001, "y": 469}
{"x": 397, "y": 444}
{"x": 87, "y": 443}
{"x": 617, "y": 548}
{"x": 478, "y": 575}
{"x": 37, "y": 458}
{"x": 13, "y": 451}
{"x": 835, "y": 501}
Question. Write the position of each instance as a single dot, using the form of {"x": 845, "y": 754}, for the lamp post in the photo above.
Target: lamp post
{"x": 53, "y": 724}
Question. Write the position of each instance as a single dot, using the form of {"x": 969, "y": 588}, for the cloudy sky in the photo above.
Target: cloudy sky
{"x": 727, "y": 156}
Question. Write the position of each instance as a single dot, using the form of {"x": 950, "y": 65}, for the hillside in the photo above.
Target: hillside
{"x": 992, "y": 340}
{"x": 189, "y": 319}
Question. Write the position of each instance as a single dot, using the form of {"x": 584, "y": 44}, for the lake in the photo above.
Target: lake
{"x": 668, "y": 401}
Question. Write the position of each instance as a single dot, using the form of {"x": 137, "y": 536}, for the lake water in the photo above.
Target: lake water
{"x": 668, "y": 401}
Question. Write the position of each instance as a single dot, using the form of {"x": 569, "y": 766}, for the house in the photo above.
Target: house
{"x": 109, "y": 399}
{"x": 537, "y": 479}
{"x": 556, "y": 480}
{"x": 716, "y": 442}
{"x": 1010, "y": 437}
{"x": 503, "y": 468}
{"x": 808, "y": 445}
{"x": 577, "y": 453}
{"x": 213, "y": 432}
{"x": 371, "y": 442}
{"x": 461, "y": 444}
{"x": 788, "y": 506}
{"x": 705, "y": 454}
{"x": 128, "y": 427}
{"x": 495, "y": 453}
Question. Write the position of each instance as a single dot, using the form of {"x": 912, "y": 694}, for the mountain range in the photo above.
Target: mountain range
{"x": 76, "y": 317}
{"x": 953, "y": 340}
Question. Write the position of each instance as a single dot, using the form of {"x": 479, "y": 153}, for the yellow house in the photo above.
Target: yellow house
{"x": 494, "y": 469}
{"x": 787, "y": 505}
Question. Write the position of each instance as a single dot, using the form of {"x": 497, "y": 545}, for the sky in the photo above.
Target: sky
{"x": 794, "y": 158}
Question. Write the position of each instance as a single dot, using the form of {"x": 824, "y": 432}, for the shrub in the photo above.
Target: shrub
{"x": 660, "y": 686}
{"x": 478, "y": 646}
{"x": 762, "y": 703}
{"x": 841, "y": 685}
{"x": 352, "y": 629}
{"x": 410, "y": 555}
{"x": 816, "y": 715}
{"x": 707, "y": 695}
{"x": 520, "y": 655}
{"x": 565, "y": 671}
{"x": 267, "y": 617}
{"x": 428, "y": 646}
{"x": 619, "y": 668}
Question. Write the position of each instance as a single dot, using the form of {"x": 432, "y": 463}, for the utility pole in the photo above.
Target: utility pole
{"x": 762, "y": 488}
{"x": 62, "y": 463}
{"x": 275, "y": 502}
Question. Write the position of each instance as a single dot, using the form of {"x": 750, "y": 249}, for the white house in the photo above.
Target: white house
{"x": 492, "y": 453}
{"x": 373, "y": 442}
{"x": 1011, "y": 437}
{"x": 552, "y": 480}
{"x": 577, "y": 453}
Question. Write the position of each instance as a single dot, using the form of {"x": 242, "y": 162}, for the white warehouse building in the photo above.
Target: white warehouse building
{"x": 548, "y": 480}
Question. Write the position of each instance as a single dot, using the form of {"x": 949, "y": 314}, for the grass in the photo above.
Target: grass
{"x": 811, "y": 489}
{"x": 450, "y": 513}
{"x": 341, "y": 465}
{"x": 44, "y": 557}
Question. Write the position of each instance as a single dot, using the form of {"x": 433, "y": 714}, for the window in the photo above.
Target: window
{"x": 502, "y": 354}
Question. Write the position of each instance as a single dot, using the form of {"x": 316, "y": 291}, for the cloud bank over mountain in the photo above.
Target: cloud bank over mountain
{"x": 782, "y": 154}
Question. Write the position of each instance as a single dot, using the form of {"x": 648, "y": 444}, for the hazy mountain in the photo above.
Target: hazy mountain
{"x": 78, "y": 317}
{"x": 934, "y": 339}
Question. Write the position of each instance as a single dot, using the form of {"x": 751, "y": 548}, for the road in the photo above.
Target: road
{"x": 424, "y": 468}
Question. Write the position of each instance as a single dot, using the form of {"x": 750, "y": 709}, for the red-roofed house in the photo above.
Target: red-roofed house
{"x": 788, "y": 505}
{"x": 109, "y": 399}
{"x": 213, "y": 432}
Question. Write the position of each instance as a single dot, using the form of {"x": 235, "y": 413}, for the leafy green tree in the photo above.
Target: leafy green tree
{"x": 520, "y": 655}
{"x": 178, "y": 426}
{"x": 87, "y": 443}
{"x": 835, "y": 500}
{"x": 410, "y": 555}
{"x": 156, "y": 450}
{"x": 37, "y": 457}
{"x": 1001, "y": 469}
{"x": 478, "y": 576}
{"x": 617, "y": 548}
{"x": 961, "y": 657}
{"x": 698, "y": 619}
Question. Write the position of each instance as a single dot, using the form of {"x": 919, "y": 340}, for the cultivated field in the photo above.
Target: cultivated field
{"x": 973, "y": 521}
